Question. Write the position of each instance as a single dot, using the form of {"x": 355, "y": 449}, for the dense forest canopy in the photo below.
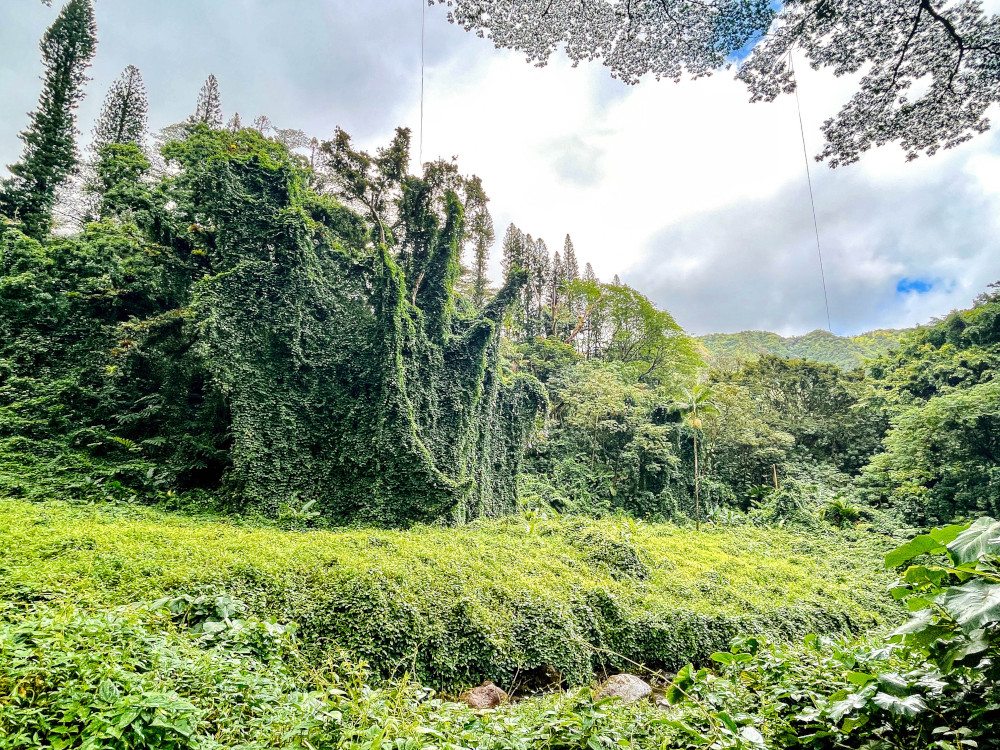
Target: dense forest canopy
{"x": 270, "y": 437}
{"x": 285, "y": 321}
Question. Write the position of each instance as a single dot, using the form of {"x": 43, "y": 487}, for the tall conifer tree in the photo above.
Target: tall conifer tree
{"x": 49, "y": 155}
{"x": 209, "y": 109}
{"x": 593, "y": 322}
{"x": 513, "y": 250}
{"x": 530, "y": 264}
{"x": 571, "y": 272}
{"x": 570, "y": 264}
{"x": 540, "y": 272}
{"x": 480, "y": 231}
{"x": 126, "y": 109}
{"x": 556, "y": 279}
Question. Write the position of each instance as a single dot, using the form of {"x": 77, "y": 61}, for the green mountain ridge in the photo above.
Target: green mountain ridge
{"x": 847, "y": 352}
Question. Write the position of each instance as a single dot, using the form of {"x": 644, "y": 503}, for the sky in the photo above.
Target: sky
{"x": 691, "y": 194}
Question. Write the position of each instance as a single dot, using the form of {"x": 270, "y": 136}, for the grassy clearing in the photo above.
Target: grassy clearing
{"x": 504, "y": 600}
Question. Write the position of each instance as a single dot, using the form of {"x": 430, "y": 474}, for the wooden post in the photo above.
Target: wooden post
{"x": 774, "y": 472}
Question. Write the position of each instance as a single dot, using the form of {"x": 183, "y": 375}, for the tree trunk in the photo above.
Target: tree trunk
{"x": 583, "y": 320}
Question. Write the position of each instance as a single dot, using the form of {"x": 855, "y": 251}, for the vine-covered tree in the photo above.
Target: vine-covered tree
{"x": 369, "y": 182}
{"x": 123, "y": 118}
{"x": 952, "y": 46}
{"x": 209, "y": 107}
{"x": 49, "y": 155}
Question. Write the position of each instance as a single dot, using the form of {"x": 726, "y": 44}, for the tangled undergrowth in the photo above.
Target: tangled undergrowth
{"x": 504, "y": 600}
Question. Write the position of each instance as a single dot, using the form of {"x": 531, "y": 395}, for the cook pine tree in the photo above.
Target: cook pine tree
{"x": 209, "y": 108}
{"x": 49, "y": 156}
{"x": 124, "y": 116}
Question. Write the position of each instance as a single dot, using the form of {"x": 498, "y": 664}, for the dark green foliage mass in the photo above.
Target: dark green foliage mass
{"x": 49, "y": 155}
{"x": 818, "y": 405}
{"x": 940, "y": 388}
{"x": 244, "y": 331}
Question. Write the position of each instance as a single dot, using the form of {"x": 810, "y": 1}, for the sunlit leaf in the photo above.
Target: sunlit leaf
{"x": 911, "y": 705}
{"x": 974, "y": 604}
{"x": 917, "y": 546}
{"x": 978, "y": 540}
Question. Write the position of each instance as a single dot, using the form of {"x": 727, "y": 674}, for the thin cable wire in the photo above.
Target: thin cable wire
{"x": 812, "y": 199}
{"x": 423, "y": 26}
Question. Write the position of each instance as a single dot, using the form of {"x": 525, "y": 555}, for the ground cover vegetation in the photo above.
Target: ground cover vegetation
{"x": 278, "y": 470}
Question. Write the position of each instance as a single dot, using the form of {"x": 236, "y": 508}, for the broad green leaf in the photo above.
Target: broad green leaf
{"x": 930, "y": 635}
{"x": 860, "y": 678}
{"x": 684, "y": 676}
{"x": 107, "y": 691}
{"x": 924, "y": 574}
{"x": 840, "y": 709}
{"x": 918, "y": 622}
{"x": 916, "y": 546}
{"x": 900, "y": 592}
{"x": 722, "y": 657}
{"x": 911, "y": 705}
{"x": 948, "y": 534}
{"x": 751, "y": 735}
{"x": 727, "y": 720}
{"x": 974, "y": 604}
{"x": 979, "y": 539}
{"x": 893, "y": 683}
{"x": 851, "y": 724}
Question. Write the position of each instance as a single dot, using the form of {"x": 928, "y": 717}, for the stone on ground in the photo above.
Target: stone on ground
{"x": 628, "y": 687}
{"x": 486, "y": 695}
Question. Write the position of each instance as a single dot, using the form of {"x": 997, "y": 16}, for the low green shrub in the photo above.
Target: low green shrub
{"x": 131, "y": 679}
{"x": 495, "y": 600}
{"x": 931, "y": 685}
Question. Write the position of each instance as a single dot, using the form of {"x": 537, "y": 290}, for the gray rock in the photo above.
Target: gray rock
{"x": 628, "y": 687}
{"x": 486, "y": 695}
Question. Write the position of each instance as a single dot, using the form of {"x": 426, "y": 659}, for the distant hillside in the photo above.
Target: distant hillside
{"x": 847, "y": 352}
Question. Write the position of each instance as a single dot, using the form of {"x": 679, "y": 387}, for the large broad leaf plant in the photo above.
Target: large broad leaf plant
{"x": 933, "y": 685}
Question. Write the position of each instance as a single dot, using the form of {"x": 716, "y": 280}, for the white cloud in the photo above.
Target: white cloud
{"x": 691, "y": 184}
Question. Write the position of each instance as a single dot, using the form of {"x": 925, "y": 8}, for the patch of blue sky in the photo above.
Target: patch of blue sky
{"x": 915, "y": 286}
{"x": 737, "y": 56}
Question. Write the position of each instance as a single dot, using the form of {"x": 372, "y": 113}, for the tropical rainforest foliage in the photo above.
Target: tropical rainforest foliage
{"x": 275, "y": 467}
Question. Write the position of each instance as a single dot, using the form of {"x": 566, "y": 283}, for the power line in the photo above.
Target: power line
{"x": 812, "y": 199}
{"x": 423, "y": 26}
